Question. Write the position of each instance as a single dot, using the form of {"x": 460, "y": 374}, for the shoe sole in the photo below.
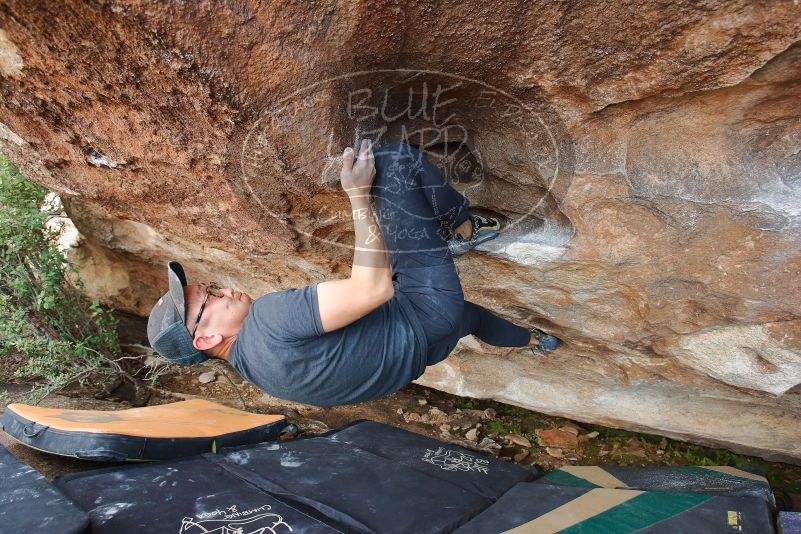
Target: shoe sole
{"x": 470, "y": 245}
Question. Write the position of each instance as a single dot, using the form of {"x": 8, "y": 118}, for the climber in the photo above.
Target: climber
{"x": 364, "y": 337}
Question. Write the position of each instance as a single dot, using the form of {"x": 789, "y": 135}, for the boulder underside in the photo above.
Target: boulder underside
{"x": 646, "y": 160}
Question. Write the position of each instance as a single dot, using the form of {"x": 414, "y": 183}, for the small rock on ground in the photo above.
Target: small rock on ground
{"x": 519, "y": 457}
{"x": 207, "y": 378}
{"x": 437, "y": 416}
{"x": 554, "y": 452}
{"x": 412, "y": 417}
{"x": 556, "y": 437}
{"x": 570, "y": 430}
{"x": 518, "y": 440}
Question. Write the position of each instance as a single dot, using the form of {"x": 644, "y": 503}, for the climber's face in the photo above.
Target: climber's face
{"x": 222, "y": 314}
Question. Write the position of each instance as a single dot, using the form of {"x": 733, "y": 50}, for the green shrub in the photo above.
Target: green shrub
{"x": 54, "y": 333}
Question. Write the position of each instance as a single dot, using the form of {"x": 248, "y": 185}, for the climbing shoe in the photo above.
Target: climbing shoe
{"x": 484, "y": 229}
{"x": 545, "y": 342}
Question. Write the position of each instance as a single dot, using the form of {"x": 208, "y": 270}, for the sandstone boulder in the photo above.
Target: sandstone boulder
{"x": 644, "y": 156}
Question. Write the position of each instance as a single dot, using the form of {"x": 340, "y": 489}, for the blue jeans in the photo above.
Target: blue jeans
{"x": 415, "y": 208}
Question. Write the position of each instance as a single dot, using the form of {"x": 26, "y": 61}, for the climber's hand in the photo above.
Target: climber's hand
{"x": 357, "y": 178}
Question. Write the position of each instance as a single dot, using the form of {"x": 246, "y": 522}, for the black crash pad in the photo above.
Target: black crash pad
{"x": 719, "y": 480}
{"x": 29, "y": 504}
{"x": 479, "y": 474}
{"x": 544, "y": 508}
{"x": 789, "y": 522}
{"x": 321, "y": 479}
{"x": 187, "y": 496}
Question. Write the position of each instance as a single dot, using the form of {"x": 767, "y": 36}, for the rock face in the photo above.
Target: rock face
{"x": 646, "y": 158}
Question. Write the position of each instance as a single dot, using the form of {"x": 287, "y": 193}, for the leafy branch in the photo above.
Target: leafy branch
{"x": 54, "y": 334}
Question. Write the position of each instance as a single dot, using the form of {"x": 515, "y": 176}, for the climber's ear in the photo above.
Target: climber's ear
{"x": 207, "y": 342}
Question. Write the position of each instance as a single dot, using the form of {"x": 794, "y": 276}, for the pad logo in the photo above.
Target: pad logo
{"x": 231, "y": 521}
{"x": 450, "y": 460}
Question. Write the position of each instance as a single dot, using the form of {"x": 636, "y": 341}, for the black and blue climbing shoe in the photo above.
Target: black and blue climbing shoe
{"x": 545, "y": 342}
{"x": 484, "y": 229}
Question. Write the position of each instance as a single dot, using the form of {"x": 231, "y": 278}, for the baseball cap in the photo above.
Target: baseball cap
{"x": 166, "y": 325}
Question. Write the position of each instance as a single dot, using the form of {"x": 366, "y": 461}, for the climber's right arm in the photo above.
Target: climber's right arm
{"x": 342, "y": 302}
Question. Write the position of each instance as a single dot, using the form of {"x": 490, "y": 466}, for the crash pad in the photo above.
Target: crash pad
{"x": 29, "y": 503}
{"x": 325, "y": 479}
{"x": 477, "y": 473}
{"x": 541, "y": 508}
{"x": 789, "y": 523}
{"x": 186, "y": 496}
{"x": 719, "y": 480}
{"x": 161, "y": 432}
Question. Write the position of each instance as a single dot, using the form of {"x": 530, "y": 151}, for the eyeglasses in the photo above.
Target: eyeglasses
{"x": 211, "y": 289}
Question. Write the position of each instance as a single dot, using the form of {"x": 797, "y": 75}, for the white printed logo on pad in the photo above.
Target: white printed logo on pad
{"x": 230, "y": 520}
{"x": 450, "y": 460}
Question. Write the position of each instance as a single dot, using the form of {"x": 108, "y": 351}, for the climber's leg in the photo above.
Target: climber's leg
{"x": 490, "y": 328}
{"x": 419, "y": 179}
{"x": 405, "y": 186}
{"x": 485, "y": 326}
{"x": 415, "y": 206}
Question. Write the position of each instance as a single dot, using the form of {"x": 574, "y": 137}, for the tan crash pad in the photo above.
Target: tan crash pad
{"x": 195, "y": 418}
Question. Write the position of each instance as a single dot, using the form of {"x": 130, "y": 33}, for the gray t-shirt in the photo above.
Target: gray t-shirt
{"x": 282, "y": 349}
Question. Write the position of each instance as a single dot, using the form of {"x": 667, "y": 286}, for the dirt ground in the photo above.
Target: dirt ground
{"x": 507, "y": 432}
